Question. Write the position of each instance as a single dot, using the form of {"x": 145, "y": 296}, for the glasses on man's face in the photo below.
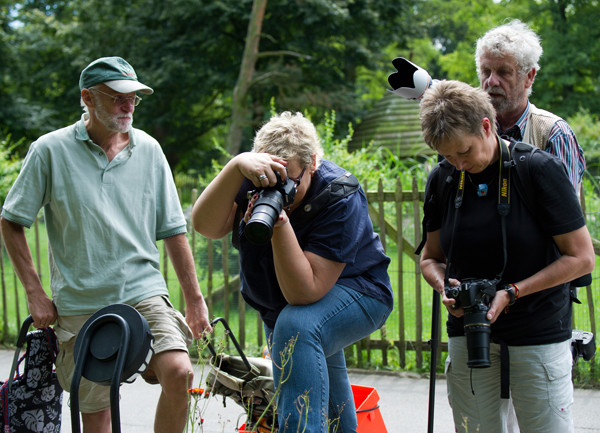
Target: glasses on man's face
{"x": 120, "y": 99}
{"x": 298, "y": 179}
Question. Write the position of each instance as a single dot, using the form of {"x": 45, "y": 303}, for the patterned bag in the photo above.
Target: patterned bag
{"x": 32, "y": 401}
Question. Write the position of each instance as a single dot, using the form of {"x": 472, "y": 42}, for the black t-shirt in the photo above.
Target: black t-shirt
{"x": 540, "y": 318}
{"x": 341, "y": 232}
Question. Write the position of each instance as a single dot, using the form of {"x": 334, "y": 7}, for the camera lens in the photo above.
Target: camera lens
{"x": 477, "y": 331}
{"x": 265, "y": 212}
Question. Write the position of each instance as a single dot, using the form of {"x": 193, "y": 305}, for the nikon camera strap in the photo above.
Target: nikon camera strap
{"x": 505, "y": 163}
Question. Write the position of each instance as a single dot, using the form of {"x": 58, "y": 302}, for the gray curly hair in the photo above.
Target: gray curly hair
{"x": 514, "y": 38}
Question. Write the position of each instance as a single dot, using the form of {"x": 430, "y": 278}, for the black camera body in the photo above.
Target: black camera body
{"x": 475, "y": 295}
{"x": 583, "y": 345}
{"x": 266, "y": 209}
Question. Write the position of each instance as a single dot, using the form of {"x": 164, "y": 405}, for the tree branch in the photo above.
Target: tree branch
{"x": 282, "y": 53}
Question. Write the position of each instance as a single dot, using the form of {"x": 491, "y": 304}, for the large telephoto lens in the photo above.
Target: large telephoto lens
{"x": 477, "y": 331}
{"x": 265, "y": 212}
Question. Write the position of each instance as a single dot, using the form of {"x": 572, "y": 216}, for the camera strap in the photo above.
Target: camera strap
{"x": 505, "y": 163}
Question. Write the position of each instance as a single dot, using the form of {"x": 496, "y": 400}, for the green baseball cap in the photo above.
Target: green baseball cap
{"x": 115, "y": 72}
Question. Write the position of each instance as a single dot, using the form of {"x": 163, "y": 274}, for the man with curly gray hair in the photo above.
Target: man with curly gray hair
{"x": 507, "y": 63}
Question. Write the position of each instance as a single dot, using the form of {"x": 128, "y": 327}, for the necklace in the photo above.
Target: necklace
{"x": 481, "y": 188}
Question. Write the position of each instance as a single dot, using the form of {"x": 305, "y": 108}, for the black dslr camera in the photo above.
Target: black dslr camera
{"x": 583, "y": 345}
{"x": 266, "y": 210}
{"x": 474, "y": 295}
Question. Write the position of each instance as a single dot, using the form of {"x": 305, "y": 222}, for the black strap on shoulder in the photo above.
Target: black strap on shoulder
{"x": 521, "y": 154}
{"x": 339, "y": 188}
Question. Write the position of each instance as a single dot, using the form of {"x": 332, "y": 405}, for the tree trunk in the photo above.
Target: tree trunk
{"x": 239, "y": 111}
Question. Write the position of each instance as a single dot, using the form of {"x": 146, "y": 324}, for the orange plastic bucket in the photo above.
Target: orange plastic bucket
{"x": 368, "y": 415}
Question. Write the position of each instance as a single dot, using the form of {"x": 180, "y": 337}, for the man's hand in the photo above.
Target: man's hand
{"x": 42, "y": 309}
{"x": 196, "y": 316}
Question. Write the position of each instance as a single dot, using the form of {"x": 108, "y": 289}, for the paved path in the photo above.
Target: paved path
{"x": 403, "y": 400}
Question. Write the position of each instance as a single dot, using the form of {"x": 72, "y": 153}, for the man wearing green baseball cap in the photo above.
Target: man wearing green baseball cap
{"x": 108, "y": 196}
{"x": 115, "y": 73}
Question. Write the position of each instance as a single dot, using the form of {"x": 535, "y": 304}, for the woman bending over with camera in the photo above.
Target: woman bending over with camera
{"x": 528, "y": 255}
{"x": 319, "y": 278}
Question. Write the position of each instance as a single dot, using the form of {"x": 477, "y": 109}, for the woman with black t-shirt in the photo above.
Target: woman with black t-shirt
{"x": 512, "y": 271}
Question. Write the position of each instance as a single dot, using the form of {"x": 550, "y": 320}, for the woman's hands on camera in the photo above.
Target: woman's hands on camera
{"x": 260, "y": 168}
{"x": 451, "y": 303}
{"x": 499, "y": 303}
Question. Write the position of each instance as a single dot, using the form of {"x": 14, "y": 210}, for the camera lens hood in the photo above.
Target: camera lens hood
{"x": 265, "y": 212}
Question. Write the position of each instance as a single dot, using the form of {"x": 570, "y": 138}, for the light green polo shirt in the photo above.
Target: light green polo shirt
{"x": 103, "y": 218}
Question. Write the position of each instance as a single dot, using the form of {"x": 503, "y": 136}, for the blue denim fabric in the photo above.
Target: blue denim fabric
{"x": 318, "y": 366}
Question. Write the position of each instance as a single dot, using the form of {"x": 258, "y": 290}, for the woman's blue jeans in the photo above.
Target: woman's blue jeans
{"x": 317, "y": 369}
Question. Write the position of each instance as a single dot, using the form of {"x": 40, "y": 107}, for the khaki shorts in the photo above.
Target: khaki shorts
{"x": 167, "y": 325}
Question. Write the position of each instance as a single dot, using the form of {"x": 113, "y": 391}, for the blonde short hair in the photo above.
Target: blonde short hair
{"x": 451, "y": 109}
{"x": 289, "y": 136}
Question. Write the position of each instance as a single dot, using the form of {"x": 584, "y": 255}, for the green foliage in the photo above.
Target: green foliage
{"x": 9, "y": 166}
{"x": 587, "y": 130}
{"x": 189, "y": 51}
{"x": 368, "y": 164}
{"x": 570, "y": 65}
{"x": 568, "y": 79}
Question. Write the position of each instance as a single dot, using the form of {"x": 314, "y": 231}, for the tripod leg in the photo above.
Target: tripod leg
{"x": 435, "y": 338}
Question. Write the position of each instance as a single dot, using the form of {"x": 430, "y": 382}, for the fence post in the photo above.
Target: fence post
{"x": 4, "y": 297}
{"x": 225, "y": 264}
{"x": 400, "y": 293}
{"x": 418, "y": 301}
{"x": 37, "y": 251}
{"x": 588, "y": 292}
{"x": 165, "y": 265}
{"x": 209, "y": 276}
{"x": 193, "y": 197}
{"x": 382, "y": 234}
{"x": 19, "y": 322}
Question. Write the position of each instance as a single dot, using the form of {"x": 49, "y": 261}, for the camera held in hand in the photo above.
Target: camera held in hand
{"x": 266, "y": 209}
{"x": 475, "y": 295}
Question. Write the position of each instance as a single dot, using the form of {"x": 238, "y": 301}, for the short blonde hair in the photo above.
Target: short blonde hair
{"x": 451, "y": 109}
{"x": 289, "y": 136}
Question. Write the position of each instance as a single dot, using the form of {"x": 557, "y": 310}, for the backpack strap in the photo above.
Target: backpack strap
{"x": 338, "y": 189}
{"x": 524, "y": 186}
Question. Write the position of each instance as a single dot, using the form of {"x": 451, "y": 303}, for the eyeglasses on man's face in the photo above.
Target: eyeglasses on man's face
{"x": 120, "y": 99}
